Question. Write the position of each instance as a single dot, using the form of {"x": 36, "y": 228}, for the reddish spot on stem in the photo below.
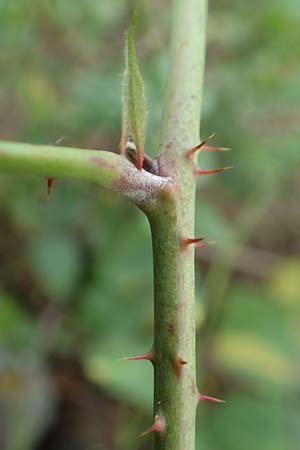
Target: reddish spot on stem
{"x": 178, "y": 364}
{"x": 199, "y": 172}
{"x": 158, "y": 426}
{"x": 207, "y": 398}
{"x": 50, "y": 184}
{"x": 190, "y": 152}
{"x": 143, "y": 356}
{"x": 185, "y": 242}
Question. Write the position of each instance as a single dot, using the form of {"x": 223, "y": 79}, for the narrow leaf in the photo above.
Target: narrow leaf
{"x": 133, "y": 101}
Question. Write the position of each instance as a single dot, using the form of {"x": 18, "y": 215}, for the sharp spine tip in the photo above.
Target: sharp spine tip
{"x": 207, "y": 398}
{"x": 143, "y": 356}
{"x": 205, "y": 245}
{"x": 199, "y": 172}
{"x": 206, "y": 148}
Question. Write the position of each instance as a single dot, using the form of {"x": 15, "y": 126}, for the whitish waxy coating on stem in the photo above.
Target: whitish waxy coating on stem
{"x": 141, "y": 186}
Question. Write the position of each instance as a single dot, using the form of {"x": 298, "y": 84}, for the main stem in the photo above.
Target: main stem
{"x": 169, "y": 202}
{"x": 175, "y": 396}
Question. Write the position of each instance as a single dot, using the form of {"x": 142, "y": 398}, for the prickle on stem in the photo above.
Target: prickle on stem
{"x": 206, "y": 148}
{"x": 207, "y": 398}
{"x": 143, "y": 356}
{"x": 191, "y": 151}
{"x": 199, "y": 172}
{"x": 158, "y": 426}
{"x": 185, "y": 242}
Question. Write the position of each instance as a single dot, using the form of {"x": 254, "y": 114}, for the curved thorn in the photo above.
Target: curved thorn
{"x": 199, "y": 172}
{"x": 158, "y": 426}
{"x": 190, "y": 152}
{"x": 185, "y": 242}
{"x": 207, "y": 398}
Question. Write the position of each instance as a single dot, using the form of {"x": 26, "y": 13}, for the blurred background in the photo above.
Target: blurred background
{"x": 76, "y": 268}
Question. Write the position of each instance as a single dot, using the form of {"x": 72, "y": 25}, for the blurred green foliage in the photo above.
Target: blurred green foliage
{"x": 76, "y": 269}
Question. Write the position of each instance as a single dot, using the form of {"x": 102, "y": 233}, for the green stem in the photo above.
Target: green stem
{"x": 169, "y": 202}
{"x": 108, "y": 169}
{"x": 181, "y": 119}
{"x": 176, "y": 395}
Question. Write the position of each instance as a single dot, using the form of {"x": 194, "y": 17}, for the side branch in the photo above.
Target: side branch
{"x": 108, "y": 169}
